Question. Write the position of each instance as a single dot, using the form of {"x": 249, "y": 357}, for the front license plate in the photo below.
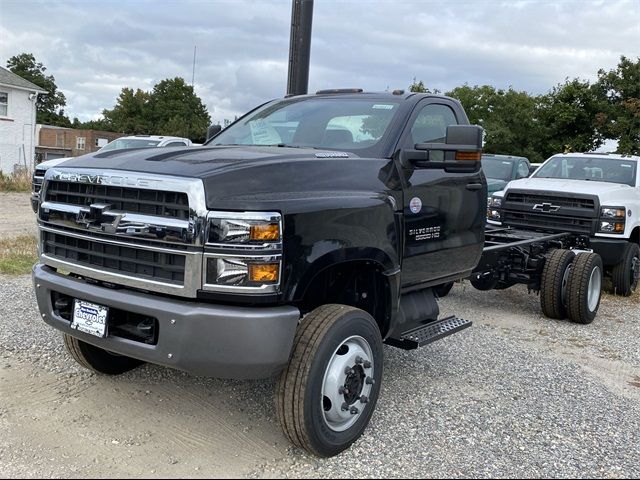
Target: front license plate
{"x": 90, "y": 318}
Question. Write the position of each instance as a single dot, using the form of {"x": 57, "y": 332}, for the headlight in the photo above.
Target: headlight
{"x": 495, "y": 202}
{"x": 260, "y": 273}
{"x": 613, "y": 220}
{"x": 243, "y": 253}
{"x": 493, "y": 209}
{"x": 247, "y": 228}
{"x": 613, "y": 212}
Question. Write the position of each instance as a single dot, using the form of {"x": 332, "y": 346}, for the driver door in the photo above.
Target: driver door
{"x": 444, "y": 212}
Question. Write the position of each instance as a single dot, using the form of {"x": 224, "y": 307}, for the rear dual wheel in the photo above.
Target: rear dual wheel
{"x": 571, "y": 286}
{"x": 584, "y": 288}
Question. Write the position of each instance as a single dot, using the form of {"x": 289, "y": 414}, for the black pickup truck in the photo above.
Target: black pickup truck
{"x": 295, "y": 243}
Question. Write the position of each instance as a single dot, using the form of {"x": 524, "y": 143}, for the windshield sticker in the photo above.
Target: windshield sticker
{"x": 262, "y": 133}
{"x": 415, "y": 205}
{"x": 383, "y": 106}
{"x": 332, "y": 155}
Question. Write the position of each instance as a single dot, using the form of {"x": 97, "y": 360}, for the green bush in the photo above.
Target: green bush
{"x": 16, "y": 182}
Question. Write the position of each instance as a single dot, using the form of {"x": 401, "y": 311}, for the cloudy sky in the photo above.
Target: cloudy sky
{"x": 94, "y": 48}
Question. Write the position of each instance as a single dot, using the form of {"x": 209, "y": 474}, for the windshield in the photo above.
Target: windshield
{"x": 352, "y": 124}
{"x": 590, "y": 168}
{"x": 497, "y": 169}
{"x": 129, "y": 143}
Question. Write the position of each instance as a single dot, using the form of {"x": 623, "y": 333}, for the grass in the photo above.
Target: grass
{"x": 16, "y": 182}
{"x": 17, "y": 255}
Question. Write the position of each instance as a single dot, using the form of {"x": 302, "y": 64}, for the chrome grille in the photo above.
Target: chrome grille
{"x": 534, "y": 198}
{"x": 132, "y": 261}
{"x": 125, "y": 228}
{"x": 37, "y": 179}
{"x": 123, "y": 199}
{"x": 551, "y": 212}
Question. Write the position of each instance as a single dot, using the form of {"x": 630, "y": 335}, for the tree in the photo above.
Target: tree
{"x": 175, "y": 109}
{"x": 419, "y": 87}
{"x": 509, "y": 118}
{"x": 50, "y": 105}
{"x": 621, "y": 119}
{"x": 131, "y": 113}
{"x": 571, "y": 118}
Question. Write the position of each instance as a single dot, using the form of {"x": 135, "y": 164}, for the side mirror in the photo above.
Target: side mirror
{"x": 461, "y": 152}
{"x": 465, "y": 135}
{"x": 212, "y": 131}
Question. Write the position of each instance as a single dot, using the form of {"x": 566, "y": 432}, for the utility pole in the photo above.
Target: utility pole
{"x": 300, "y": 47}
{"x": 193, "y": 73}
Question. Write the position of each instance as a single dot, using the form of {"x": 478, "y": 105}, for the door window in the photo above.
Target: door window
{"x": 430, "y": 126}
{"x": 523, "y": 170}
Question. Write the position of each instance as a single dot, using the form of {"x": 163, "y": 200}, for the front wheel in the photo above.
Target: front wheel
{"x": 97, "y": 359}
{"x": 625, "y": 275}
{"x": 329, "y": 390}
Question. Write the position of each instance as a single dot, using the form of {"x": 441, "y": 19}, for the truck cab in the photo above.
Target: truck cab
{"x": 293, "y": 244}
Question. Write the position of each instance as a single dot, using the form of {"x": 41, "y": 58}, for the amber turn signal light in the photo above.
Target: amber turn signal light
{"x": 269, "y": 232}
{"x": 468, "y": 156}
{"x": 264, "y": 272}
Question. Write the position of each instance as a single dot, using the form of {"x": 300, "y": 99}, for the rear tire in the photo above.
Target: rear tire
{"x": 553, "y": 283}
{"x": 97, "y": 359}
{"x": 584, "y": 288}
{"x": 624, "y": 276}
{"x": 335, "y": 347}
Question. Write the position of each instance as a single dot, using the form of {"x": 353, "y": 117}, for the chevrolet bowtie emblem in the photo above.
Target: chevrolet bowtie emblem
{"x": 98, "y": 217}
{"x": 546, "y": 207}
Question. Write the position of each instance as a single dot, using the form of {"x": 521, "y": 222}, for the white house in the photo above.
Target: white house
{"x": 17, "y": 122}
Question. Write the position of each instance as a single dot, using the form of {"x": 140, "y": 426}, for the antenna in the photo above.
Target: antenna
{"x": 193, "y": 73}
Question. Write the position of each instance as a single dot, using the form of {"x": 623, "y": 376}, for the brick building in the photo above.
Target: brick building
{"x": 60, "y": 142}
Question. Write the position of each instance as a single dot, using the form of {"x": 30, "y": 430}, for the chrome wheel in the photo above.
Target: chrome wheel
{"x": 347, "y": 383}
{"x": 595, "y": 286}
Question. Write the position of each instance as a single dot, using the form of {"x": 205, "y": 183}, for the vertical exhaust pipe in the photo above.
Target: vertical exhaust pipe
{"x": 300, "y": 47}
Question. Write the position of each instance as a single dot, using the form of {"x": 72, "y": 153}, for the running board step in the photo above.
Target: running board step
{"x": 429, "y": 333}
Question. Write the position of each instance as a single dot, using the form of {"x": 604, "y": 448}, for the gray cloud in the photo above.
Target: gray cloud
{"x": 96, "y": 48}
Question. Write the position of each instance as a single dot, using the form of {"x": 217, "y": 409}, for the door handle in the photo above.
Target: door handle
{"x": 474, "y": 186}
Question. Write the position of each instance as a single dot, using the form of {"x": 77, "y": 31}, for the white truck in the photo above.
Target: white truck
{"x": 592, "y": 194}
{"x": 132, "y": 141}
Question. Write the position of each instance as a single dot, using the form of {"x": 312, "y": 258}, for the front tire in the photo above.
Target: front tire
{"x": 624, "y": 276}
{"x": 97, "y": 359}
{"x": 584, "y": 288}
{"x": 329, "y": 390}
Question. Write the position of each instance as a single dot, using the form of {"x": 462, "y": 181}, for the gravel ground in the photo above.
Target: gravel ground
{"x": 16, "y": 216}
{"x": 515, "y": 395}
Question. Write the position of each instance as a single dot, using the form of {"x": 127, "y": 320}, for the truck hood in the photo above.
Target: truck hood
{"x": 52, "y": 163}
{"x": 247, "y": 177}
{"x": 587, "y": 187}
